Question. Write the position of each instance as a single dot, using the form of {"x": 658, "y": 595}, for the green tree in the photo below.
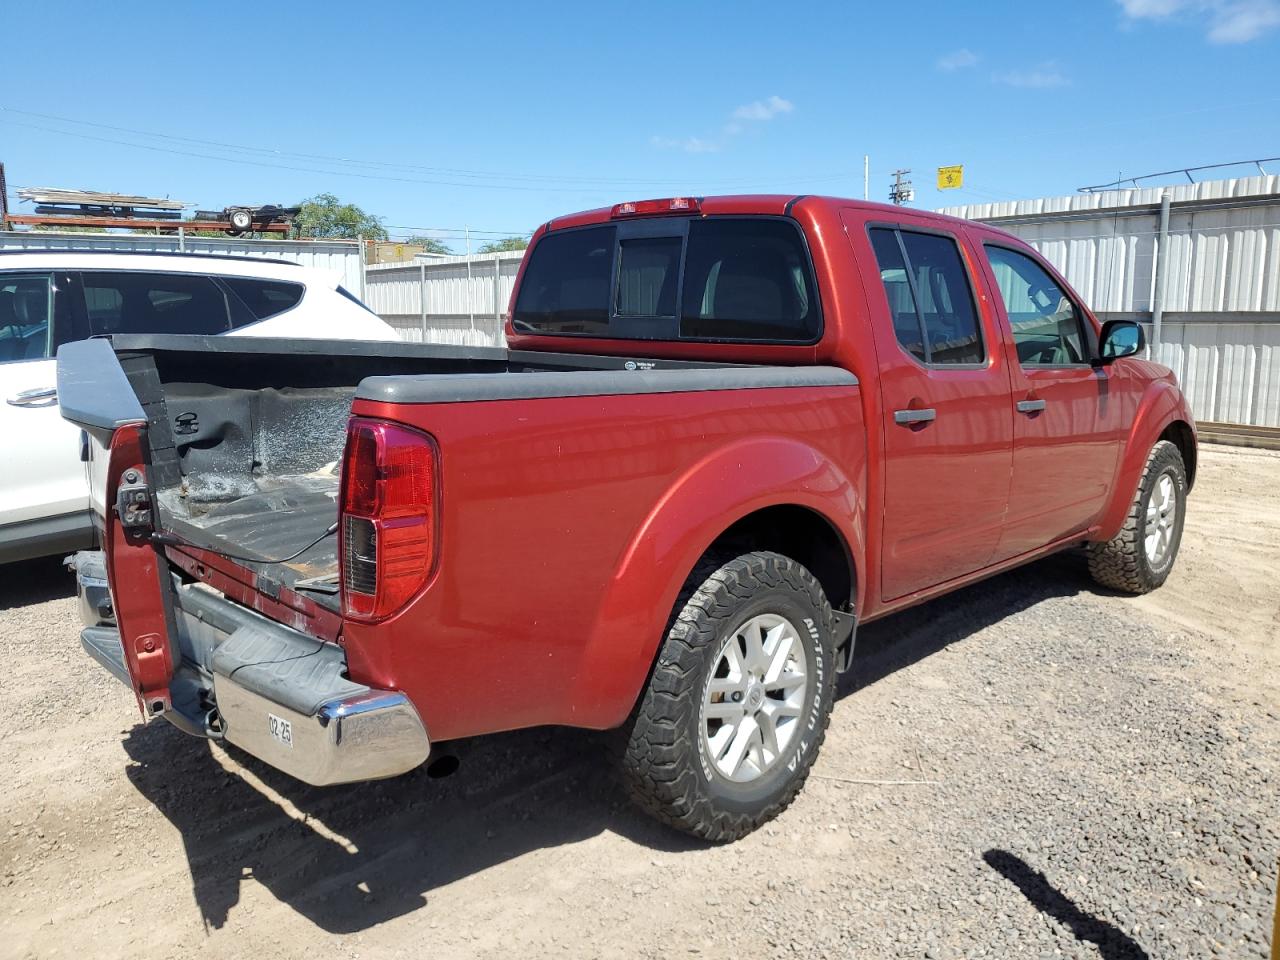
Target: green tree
{"x": 431, "y": 245}
{"x": 325, "y": 217}
{"x": 56, "y": 228}
{"x": 502, "y": 246}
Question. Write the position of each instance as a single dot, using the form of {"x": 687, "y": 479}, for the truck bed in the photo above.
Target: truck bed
{"x": 246, "y": 435}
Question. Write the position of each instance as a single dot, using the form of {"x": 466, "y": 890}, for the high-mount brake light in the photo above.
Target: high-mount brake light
{"x": 389, "y": 500}
{"x": 644, "y": 208}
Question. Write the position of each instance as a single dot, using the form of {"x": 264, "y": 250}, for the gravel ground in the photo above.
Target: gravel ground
{"x": 1029, "y": 767}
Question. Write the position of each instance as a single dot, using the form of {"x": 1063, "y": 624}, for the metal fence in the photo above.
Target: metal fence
{"x": 1215, "y": 287}
{"x": 459, "y": 300}
{"x": 342, "y": 258}
{"x": 1230, "y": 372}
{"x": 1197, "y": 264}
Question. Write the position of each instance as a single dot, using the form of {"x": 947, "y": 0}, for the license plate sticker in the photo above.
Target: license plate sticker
{"x": 281, "y": 730}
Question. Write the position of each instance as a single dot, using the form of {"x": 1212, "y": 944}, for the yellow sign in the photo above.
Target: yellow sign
{"x": 951, "y": 178}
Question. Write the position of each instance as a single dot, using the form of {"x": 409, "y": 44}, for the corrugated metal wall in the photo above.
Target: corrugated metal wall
{"x": 339, "y": 257}
{"x": 456, "y": 300}
{"x": 1221, "y": 290}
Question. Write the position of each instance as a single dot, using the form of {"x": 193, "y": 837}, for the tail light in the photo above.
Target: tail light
{"x": 387, "y": 537}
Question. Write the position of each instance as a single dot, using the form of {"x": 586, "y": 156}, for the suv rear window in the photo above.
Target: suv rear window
{"x": 138, "y": 302}
{"x": 715, "y": 278}
{"x": 265, "y": 298}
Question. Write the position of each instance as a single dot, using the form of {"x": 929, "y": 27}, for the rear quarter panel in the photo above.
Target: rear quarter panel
{"x": 568, "y": 526}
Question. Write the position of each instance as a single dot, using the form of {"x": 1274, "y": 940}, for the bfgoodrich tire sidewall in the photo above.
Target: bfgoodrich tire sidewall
{"x": 752, "y": 797}
{"x": 1157, "y": 573}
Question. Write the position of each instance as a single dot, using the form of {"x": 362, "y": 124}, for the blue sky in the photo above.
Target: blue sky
{"x": 500, "y": 116}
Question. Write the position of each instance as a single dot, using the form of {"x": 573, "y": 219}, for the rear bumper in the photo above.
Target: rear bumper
{"x": 277, "y": 694}
{"x": 368, "y": 736}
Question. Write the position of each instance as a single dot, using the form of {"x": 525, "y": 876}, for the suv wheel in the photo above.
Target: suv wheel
{"x": 739, "y": 699}
{"x": 1141, "y": 555}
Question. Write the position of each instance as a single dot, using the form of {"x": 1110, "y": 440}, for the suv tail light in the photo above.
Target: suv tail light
{"x": 387, "y": 538}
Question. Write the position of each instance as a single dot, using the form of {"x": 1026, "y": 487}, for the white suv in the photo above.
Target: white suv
{"x": 50, "y": 298}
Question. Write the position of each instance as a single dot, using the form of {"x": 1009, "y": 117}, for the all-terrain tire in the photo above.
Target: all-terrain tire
{"x": 1123, "y": 563}
{"x": 666, "y": 763}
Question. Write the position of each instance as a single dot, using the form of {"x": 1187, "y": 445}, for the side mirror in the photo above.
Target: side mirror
{"x": 1120, "y": 338}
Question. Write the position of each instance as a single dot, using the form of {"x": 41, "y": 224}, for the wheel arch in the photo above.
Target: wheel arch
{"x": 766, "y": 494}
{"x": 1183, "y": 436}
{"x": 1162, "y": 414}
{"x": 803, "y": 534}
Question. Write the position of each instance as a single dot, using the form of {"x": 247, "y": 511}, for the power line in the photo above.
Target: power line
{"x": 280, "y": 166}
{"x": 271, "y": 152}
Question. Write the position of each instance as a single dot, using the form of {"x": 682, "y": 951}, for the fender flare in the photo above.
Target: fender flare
{"x": 1161, "y": 404}
{"x": 699, "y": 505}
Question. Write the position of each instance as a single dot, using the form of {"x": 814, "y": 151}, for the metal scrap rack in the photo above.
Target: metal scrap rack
{"x": 85, "y": 208}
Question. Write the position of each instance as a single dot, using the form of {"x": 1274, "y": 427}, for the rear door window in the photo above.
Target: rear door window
{"x": 715, "y": 279}
{"x": 925, "y": 279}
{"x": 265, "y": 298}
{"x": 138, "y": 302}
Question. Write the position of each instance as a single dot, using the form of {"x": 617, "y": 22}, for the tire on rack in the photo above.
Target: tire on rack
{"x": 738, "y": 701}
{"x": 241, "y": 220}
{"x": 1139, "y": 558}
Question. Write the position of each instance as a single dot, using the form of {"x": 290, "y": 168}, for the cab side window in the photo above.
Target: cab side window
{"x": 929, "y": 296}
{"x": 1046, "y": 325}
{"x": 26, "y": 305}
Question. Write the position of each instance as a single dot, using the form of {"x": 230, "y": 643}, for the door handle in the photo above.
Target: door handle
{"x": 1030, "y": 406}
{"x": 927, "y": 415}
{"x": 29, "y": 398}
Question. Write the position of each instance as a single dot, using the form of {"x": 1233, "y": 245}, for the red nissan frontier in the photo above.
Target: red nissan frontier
{"x": 725, "y": 432}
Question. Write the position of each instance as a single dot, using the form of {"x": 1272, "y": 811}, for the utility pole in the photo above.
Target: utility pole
{"x": 866, "y": 176}
{"x": 901, "y": 192}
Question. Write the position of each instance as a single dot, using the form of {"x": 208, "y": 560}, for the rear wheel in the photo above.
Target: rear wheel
{"x": 739, "y": 700}
{"x": 1140, "y": 557}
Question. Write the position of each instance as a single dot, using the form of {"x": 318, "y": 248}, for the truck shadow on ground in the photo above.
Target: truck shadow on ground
{"x": 348, "y": 858}
{"x": 889, "y": 645}
{"x": 34, "y": 581}
{"x": 351, "y": 857}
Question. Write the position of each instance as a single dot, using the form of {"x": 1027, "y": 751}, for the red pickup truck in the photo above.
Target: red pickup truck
{"x": 726, "y": 431}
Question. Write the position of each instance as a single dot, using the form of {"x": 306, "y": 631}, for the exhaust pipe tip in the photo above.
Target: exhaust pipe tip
{"x": 443, "y": 766}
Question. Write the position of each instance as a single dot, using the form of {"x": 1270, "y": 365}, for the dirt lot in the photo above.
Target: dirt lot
{"x": 1060, "y": 772}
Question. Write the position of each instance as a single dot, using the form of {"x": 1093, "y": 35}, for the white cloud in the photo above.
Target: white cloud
{"x": 756, "y": 112}
{"x": 1153, "y": 9}
{"x": 1226, "y": 21}
{"x": 957, "y": 60}
{"x": 1245, "y": 21}
{"x": 763, "y": 109}
{"x": 1043, "y": 77}
{"x": 687, "y": 144}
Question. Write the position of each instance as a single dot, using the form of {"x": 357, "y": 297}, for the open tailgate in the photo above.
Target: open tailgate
{"x": 95, "y": 394}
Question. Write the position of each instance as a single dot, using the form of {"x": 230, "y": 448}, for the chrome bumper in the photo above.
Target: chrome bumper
{"x": 366, "y": 737}
{"x": 93, "y": 595}
{"x": 273, "y": 692}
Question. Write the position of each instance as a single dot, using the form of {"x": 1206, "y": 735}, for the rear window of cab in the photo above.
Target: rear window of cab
{"x": 734, "y": 279}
